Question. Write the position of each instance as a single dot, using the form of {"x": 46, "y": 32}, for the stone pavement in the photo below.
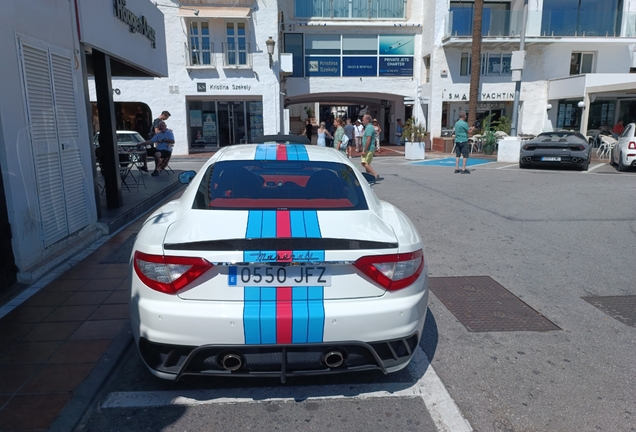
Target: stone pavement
{"x": 51, "y": 343}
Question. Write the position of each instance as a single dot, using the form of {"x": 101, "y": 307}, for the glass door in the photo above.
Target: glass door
{"x": 232, "y": 123}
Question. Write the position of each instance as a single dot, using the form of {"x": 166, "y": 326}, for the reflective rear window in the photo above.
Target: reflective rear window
{"x": 280, "y": 184}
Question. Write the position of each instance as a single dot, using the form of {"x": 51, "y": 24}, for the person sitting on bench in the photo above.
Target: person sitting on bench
{"x": 164, "y": 138}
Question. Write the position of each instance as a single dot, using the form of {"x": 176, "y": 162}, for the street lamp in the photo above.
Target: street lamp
{"x": 270, "y": 50}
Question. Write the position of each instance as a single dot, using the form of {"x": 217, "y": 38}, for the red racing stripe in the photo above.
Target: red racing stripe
{"x": 284, "y": 315}
{"x": 281, "y": 152}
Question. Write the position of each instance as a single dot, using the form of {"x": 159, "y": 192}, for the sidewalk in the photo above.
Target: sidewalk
{"x": 50, "y": 344}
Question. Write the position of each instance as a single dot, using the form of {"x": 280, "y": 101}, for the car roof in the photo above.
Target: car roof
{"x": 560, "y": 136}
{"x": 248, "y": 152}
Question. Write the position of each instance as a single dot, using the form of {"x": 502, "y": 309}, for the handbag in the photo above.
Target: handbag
{"x": 344, "y": 143}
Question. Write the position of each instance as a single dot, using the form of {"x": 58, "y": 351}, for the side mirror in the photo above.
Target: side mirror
{"x": 186, "y": 177}
{"x": 369, "y": 178}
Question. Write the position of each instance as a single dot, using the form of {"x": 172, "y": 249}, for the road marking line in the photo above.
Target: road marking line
{"x": 508, "y": 166}
{"x": 440, "y": 405}
{"x": 593, "y": 168}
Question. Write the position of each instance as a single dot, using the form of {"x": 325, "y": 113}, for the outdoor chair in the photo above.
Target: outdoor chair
{"x": 605, "y": 149}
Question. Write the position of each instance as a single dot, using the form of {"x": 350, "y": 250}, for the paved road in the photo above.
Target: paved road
{"x": 550, "y": 237}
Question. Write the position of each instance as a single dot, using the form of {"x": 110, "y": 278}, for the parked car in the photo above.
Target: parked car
{"x": 562, "y": 148}
{"x": 278, "y": 260}
{"x": 124, "y": 138}
{"x": 623, "y": 154}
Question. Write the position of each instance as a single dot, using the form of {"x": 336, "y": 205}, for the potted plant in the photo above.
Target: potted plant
{"x": 488, "y": 137}
{"x": 414, "y": 131}
{"x": 415, "y": 135}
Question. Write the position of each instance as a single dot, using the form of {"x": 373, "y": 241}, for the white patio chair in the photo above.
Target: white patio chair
{"x": 607, "y": 144}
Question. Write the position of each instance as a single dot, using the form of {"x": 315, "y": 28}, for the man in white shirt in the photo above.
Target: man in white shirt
{"x": 358, "y": 130}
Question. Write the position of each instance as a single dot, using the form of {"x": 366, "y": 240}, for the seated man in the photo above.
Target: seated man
{"x": 164, "y": 138}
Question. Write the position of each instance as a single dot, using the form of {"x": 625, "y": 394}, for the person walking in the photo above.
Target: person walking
{"x": 378, "y": 131}
{"x": 461, "y": 142}
{"x": 358, "y": 130}
{"x": 309, "y": 130}
{"x": 368, "y": 146}
{"x": 337, "y": 136}
{"x": 398, "y": 131}
{"x": 322, "y": 134}
{"x": 349, "y": 132}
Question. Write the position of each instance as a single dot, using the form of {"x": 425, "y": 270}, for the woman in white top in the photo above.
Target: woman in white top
{"x": 358, "y": 130}
{"x": 378, "y": 131}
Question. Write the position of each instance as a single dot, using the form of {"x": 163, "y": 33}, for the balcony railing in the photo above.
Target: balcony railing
{"x": 237, "y": 55}
{"x": 199, "y": 57}
{"x": 540, "y": 24}
{"x": 350, "y": 9}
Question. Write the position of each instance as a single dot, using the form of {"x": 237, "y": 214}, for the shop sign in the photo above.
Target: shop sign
{"x": 396, "y": 66}
{"x": 201, "y": 87}
{"x": 459, "y": 97}
{"x": 359, "y": 66}
{"x": 397, "y": 45}
{"x": 322, "y": 66}
{"x": 233, "y": 87}
{"x": 136, "y": 24}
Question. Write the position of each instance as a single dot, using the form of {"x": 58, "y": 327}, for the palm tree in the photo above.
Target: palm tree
{"x": 475, "y": 62}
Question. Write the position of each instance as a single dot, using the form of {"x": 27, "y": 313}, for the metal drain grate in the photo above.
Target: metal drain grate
{"x": 621, "y": 308}
{"x": 121, "y": 255}
{"x": 483, "y": 305}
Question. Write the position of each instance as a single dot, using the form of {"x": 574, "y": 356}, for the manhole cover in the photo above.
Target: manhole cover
{"x": 121, "y": 255}
{"x": 621, "y": 308}
{"x": 482, "y": 305}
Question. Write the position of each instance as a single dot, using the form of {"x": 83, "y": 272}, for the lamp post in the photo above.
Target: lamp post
{"x": 270, "y": 50}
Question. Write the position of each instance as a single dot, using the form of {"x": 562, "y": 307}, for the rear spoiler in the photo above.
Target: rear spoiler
{"x": 282, "y": 139}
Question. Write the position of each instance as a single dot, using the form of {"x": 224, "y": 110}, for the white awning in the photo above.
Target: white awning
{"x": 215, "y": 12}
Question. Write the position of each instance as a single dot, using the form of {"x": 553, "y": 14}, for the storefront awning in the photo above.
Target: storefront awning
{"x": 215, "y": 12}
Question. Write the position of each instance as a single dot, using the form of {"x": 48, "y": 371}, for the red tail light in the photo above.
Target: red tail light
{"x": 168, "y": 274}
{"x": 392, "y": 272}
{"x": 632, "y": 145}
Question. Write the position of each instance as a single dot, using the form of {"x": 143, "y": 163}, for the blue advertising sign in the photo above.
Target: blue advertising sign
{"x": 396, "y": 66}
{"x": 322, "y": 66}
{"x": 396, "y": 45}
{"x": 359, "y": 66}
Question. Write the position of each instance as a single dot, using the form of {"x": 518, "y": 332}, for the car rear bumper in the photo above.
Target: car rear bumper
{"x": 280, "y": 361}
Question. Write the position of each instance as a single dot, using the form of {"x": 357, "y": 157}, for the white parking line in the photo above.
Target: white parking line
{"x": 508, "y": 166}
{"x": 592, "y": 168}
{"x": 440, "y": 405}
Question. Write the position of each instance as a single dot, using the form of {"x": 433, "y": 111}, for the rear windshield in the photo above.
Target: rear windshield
{"x": 280, "y": 184}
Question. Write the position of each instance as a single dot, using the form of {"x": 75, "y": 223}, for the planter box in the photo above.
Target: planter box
{"x": 443, "y": 144}
{"x": 414, "y": 150}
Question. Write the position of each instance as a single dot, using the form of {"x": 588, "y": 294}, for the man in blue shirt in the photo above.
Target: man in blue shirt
{"x": 461, "y": 142}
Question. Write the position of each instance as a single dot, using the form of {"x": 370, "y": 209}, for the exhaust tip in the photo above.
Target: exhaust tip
{"x": 333, "y": 359}
{"x": 232, "y": 362}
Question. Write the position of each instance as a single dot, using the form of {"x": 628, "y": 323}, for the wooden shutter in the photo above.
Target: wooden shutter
{"x": 74, "y": 178}
{"x": 41, "y": 115}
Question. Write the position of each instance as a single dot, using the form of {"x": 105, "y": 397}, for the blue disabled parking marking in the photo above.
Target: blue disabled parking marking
{"x": 451, "y": 162}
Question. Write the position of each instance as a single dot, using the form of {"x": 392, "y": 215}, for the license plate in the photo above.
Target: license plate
{"x": 279, "y": 276}
{"x": 551, "y": 158}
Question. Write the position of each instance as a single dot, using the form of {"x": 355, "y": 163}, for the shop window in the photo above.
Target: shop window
{"x": 492, "y": 64}
{"x": 199, "y": 49}
{"x": 294, "y": 46}
{"x": 581, "y": 63}
{"x": 236, "y": 49}
{"x": 350, "y": 9}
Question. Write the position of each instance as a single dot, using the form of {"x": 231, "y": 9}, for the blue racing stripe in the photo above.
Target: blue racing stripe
{"x": 297, "y": 223}
{"x": 302, "y": 152}
{"x": 292, "y": 153}
{"x": 251, "y": 315}
{"x": 261, "y": 152}
{"x": 300, "y": 313}
{"x": 312, "y": 228}
{"x": 271, "y": 152}
{"x": 316, "y": 308}
{"x": 268, "y": 315}
{"x": 254, "y": 224}
{"x": 269, "y": 224}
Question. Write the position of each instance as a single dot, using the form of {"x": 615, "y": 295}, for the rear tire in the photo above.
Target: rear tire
{"x": 586, "y": 165}
{"x": 621, "y": 167}
{"x": 611, "y": 161}
{"x": 524, "y": 165}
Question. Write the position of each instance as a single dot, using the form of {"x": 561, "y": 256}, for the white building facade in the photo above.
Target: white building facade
{"x": 577, "y": 51}
{"x": 48, "y": 199}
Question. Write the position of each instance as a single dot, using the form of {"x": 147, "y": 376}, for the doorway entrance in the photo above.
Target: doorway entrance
{"x": 8, "y": 270}
{"x": 232, "y": 123}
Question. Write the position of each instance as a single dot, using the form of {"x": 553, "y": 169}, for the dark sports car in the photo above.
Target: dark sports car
{"x": 556, "y": 148}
